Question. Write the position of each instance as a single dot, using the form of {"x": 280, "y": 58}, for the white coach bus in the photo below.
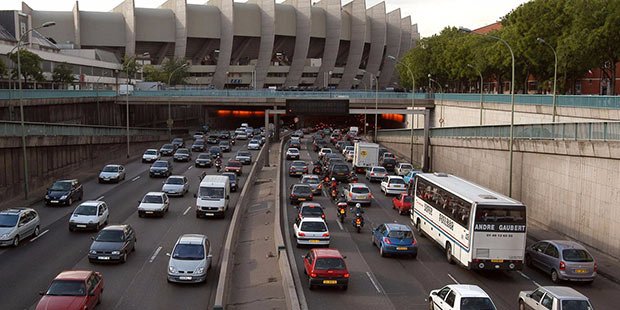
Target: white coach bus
{"x": 478, "y": 228}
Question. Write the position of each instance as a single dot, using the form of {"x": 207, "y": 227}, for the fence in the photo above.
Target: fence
{"x": 14, "y": 129}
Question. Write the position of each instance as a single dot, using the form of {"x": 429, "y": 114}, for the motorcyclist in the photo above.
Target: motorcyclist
{"x": 359, "y": 218}
{"x": 334, "y": 184}
{"x": 218, "y": 163}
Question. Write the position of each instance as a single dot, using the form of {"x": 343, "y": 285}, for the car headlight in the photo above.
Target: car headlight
{"x": 47, "y": 197}
{"x": 172, "y": 269}
{"x": 4, "y": 236}
{"x": 200, "y": 270}
{"x": 63, "y": 197}
{"x": 93, "y": 252}
{"x": 116, "y": 252}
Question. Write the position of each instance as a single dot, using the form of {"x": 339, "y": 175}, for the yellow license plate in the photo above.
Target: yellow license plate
{"x": 302, "y": 199}
{"x": 314, "y": 241}
{"x": 497, "y": 261}
{"x": 580, "y": 271}
{"x": 401, "y": 248}
{"x": 330, "y": 282}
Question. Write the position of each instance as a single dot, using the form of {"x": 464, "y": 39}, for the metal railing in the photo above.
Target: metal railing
{"x": 605, "y": 102}
{"x": 599, "y": 131}
{"x": 6, "y": 94}
{"x": 277, "y": 94}
{"x": 14, "y": 129}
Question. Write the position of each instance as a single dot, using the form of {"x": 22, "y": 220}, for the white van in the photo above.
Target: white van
{"x": 244, "y": 125}
{"x": 213, "y": 196}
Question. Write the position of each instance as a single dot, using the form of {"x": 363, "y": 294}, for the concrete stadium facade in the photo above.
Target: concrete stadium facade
{"x": 255, "y": 44}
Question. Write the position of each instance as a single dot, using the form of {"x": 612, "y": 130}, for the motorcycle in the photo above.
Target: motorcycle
{"x": 218, "y": 166}
{"x": 342, "y": 212}
{"x": 232, "y": 141}
{"x": 358, "y": 222}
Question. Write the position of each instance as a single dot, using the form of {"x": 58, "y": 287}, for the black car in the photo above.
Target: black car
{"x": 225, "y": 136}
{"x": 113, "y": 243}
{"x": 64, "y": 192}
{"x": 300, "y": 192}
{"x": 182, "y": 154}
{"x": 215, "y": 151}
{"x": 233, "y": 180}
{"x": 204, "y": 160}
{"x": 213, "y": 139}
{"x": 244, "y": 157}
{"x": 224, "y": 146}
{"x": 198, "y": 146}
{"x": 178, "y": 142}
{"x": 167, "y": 150}
{"x": 160, "y": 168}
{"x": 340, "y": 172}
{"x": 389, "y": 164}
{"x": 294, "y": 144}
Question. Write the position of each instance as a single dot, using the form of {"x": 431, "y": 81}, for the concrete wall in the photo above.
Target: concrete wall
{"x": 569, "y": 186}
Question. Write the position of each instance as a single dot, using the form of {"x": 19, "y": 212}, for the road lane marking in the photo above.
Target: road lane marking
{"x": 187, "y": 210}
{"x": 154, "y": 255}
{"x": 340, "y": 225}
{"x": 372, "y": 280}
{"x": 99, "y": 199}
{"x": 538, "y": 285}
{"x": 40, "y": 235}
{"x": 453, "y": 279}
{"x": 523, "y": 275}
{"x": 134, "y": 179}
{"x": 190, "y": 167}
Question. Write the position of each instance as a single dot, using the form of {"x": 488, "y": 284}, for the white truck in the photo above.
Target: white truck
{"x": 365, "y": 155}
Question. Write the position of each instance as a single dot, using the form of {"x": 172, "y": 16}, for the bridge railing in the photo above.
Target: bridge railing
{"x": 14, "y": 129}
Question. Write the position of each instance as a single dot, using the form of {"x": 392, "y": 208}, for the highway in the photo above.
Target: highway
{"x": 403, "y": 283}
{"x": 141, "y": 282}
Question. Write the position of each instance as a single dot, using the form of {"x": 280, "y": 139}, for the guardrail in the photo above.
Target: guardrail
{"x": 599, "y": 131}
{"x": 13, "y": 94}
{"x": 14, "y": 129}
{"x": 583, "y": 101}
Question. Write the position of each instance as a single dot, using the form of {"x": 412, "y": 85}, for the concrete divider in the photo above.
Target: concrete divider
{"x": 227, "y": 260}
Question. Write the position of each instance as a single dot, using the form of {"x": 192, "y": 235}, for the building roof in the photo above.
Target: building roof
{"x": 5, "y": 35}
{"x": 488, "y": 28}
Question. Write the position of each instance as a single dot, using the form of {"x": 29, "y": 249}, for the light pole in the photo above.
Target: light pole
{"x": 555, "y": 75}
{"x": 512, "y": 102}
{"x": 441, "y": 120}
{"x": 412, "y": 99}
{"x": 365, "y": 91}
{"x": 169, "y": 122}
{"x": 376, "y": 104}
{"x": 97, "y": 91}
{"x": 481, "y": 94}
{"x": 21, "y": 103}
{"x": 129, "y": 60}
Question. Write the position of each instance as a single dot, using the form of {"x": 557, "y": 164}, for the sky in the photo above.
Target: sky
{"x": 430, "y": 15}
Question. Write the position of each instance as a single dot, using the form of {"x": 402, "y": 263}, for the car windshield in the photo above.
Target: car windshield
{"x": 86, "y": 210}
{"x": 397, "y": 181}
{"x": 389, "y": 160}
{"x": 110, "y": 236}
{"x": 243, "y": 153}
{"x": 298, "y": 164}
{"x": 177, "y": 181}
{"x": 177, "y": 140}
{"x": 312, "y": 211}
{"x": 313, "y": 227}
{"x": 189, "y": 252}
{"x": 326, "y": 150}
{"x": 224, "y": 143}
{"x": 576, "y": 305}
{"x": 61, "y": 186}
{"x": 310, "y": 180}
{"x": 477, "y": 303}
{"x": 360, "y": 190}
{"x": 204, "y": 156}
{"x": 151, "y": 152}
{"x": 66, "y": 288}
{"x": 182, "y": 151}
{"x": 340, "y": 168}
{"x": 408, "y": 198}
{"x": 294, "y": 151}
{"x": 406, "y": 167}
{"x": 400, "y": 234}
{"x": 234, "y": 164}
{"x": 211, "y": 192}
{"x": 167, "y": 147}
{"x": 231, "y": 176}
{"x": 8, "y": 220}
{"x": 110, "y": 169}
{"x": 215, "y": 149}
{"x": 379, "y": 170}
{"x": 199, "y": 142}
{"x": 577, "y": 255}
{"x": 152, "y": 199}
{"x": 329, "y": 263}
{"x": 160, "y": 164}
{"x": 302, "y": 190}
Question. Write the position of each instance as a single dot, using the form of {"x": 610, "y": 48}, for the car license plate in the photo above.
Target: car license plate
{"x": 81, "y": 226}
{"x": 149, "y": 212}
{"x": 210, "y": 214}
{"x": 581, "y": 270}
{"x": 361, "y": 197}
{"x": 402, "y": 248}
{"x": 497, "y": 261}
{"x": 302, "y": 199}
{"x": 185, "y": 278}
{"x": 54, "y": 201}
{"x": 330, "y": 282}
{"x": 103, "y": 257}
{"x": 314, "y": 241}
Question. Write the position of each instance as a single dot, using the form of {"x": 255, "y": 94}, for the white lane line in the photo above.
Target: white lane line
{"x": 187, "y": 210}
{"x": 372, "y": 280}
{"x": 453, "y": 279}
{"x": 134, "y": 179}
{"x": 524, "y": 275}
{"x": 154, "y": 255}
{"x": 535, "y": 283}
{"x": 40, "y": 235}
{"x": 340, "y": 225}
{"x": 190, "y": 167}
{"x": 99, "y": 199}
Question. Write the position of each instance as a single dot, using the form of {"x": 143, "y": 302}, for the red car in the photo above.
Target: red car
{"x": 326, "y": 267}
{"x": 402, "y": 203}
{"x": 77, "y": 289}
{"x": 234, "y": 166}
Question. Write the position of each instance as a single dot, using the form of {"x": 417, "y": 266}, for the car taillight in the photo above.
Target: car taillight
{"x": 415, "y": 241}
{"x": 346, "y": 275}
{"x": 323, "y": 216}
{"x": 370, "y": 195}
{"x": 311, "y": 196}
{"x": 595, "y": 267}
{"x": 562, "y": 265}
{"x": 301, "y": 234}
{"x": 313, "y": 275}
{"x": 350, "y": 195}
{"x": 372, "y": 173}
{"x": 293, "y": 196}
{"x": 387, "y": 240}
{"x": 326, "y": 234}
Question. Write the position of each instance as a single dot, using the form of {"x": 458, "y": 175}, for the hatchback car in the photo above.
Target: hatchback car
{"x": 311, "y": 231}
{"x": 563, "y": 260}
{"x": 64, "y": 192}
{"x": 198, "y": 146}
{"x": 224, "y": 146}
{"x": 153, "y": 203}
{"x": 241, "y": 136}
{"x": 296, "y": 144}
{"x": 313, "y": 181}
{"x": 199, "y": 135}
{"x": 182, "y": 154}
{"x": 310, "y": 209}
{"x": 17, "y": 224}
{"x": 349, "y": 156}
{"x": 375, "y": 173}
{"x": 175, "y": 185}
{"x": 150, "y": 156}
{"x": 254, "y": 145}
{"x": 234, "y": 166}
{"x": 204, "y": 160}
{"x": 233, "y": 180}
{"x": 297, "y": 167}
{"x": 460, "y": 297}
{"x": 393, "y": 184}
{"x": 299, "y": 193}
{"x": 402, "y": 203}
{"x": 160, "y": 168}
{"x": 213, "y": 139}
{"x": 178, "y": 143}
{"x": 554, "y": 298}
{"x": 324, "y": 151}
{"x": 167, "y": 150}
{"x": 339, "y": 171}
{"x": 410, "y": 176}
{"x": 358, "y": 193}
{"x": 402, "y": 169}
{"x": 292, "y": 153}
{"x": 89, "y": 215}
{"x": 326, "y": 267}
{"x": 244, "y": 157}
{"x": 73, "y": 290}
{"x": 113, "y": 244}
{"x": 392, "y": 238}
{"x": 190, "y": 259}
{"x": 112, "y": 173}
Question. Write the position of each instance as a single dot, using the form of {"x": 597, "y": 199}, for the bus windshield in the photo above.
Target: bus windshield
{"x": 500, "y": 214}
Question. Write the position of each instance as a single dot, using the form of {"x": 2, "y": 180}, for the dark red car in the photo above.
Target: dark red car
{"x": 326, "y": 267}
{"x": 76, "y": 289}
{"x": 402, "y": 203}
{"x": 234, "y": 166}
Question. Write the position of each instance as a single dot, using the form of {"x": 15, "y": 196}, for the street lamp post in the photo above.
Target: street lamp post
{"x": 21, "y": 103}
{"x": 481, "y": 94}
{"x": 376, "y": 105}
{"x": 129, "y": 60}
{"x": 97, "y": 92}
{"x": 365, "y": 91}
{"x": 555, "y": 75}
{"x": 512, "y": 103}
{"x": 441, "y": 120}
{"x": 169, "y": 121}
{"x": 412, "y": 99}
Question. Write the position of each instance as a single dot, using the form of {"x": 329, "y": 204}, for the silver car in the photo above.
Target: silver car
{"x": 563, "y": 259}
{"x": 358, "y": 193}
{"x": 314, "y": 181}
{"x": 112, "y": 173}
{"x": 190, "y": 259}
{"x": 175, "y": 185}
{"x": 376, "y": 173}
{"x": 554, "y": 298}
{"x": 16, "y": 224}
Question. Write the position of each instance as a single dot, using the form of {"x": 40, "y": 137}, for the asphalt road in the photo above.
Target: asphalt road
{"x": 404, "y": 283}
{"x": 141, "y": 282}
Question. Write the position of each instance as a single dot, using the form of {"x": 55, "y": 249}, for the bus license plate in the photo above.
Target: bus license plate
{"x": 497, "y": 261}
{"x": 580, "y": 271}
{"x": 402, "y": 248}
{"x": 330, "y": 282}
{"x": 314, "y": 241}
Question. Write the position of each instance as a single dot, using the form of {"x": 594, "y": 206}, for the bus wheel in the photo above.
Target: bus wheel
{"x": 418, "y": 228}
{"x": 449, "y": 253}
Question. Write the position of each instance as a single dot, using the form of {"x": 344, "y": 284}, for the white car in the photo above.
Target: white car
{"x": 154, "y": 203}
{"x": 175, "y": 185}
{"x": 190, "y": 259}
{"x": 241, "y": 136}
{"x": 311, "y": 231}
{"x": 349, "y": 156}
{"x": 376, "y": 173}
{"x": 254, "y": 145}
{"x": 292, "y": 153}
{"x": 347, "y": 149}
{"x": 554, "y": 298}
{"x": 324, "y": 151}
{"x": 89, "y": 215}
{"x": 403, "y": 168}
{"x": 460, "y": 296}
{"x": 112, "y": 173}
{"x": 393, "y": 184}
{"x": 150, "y": 155}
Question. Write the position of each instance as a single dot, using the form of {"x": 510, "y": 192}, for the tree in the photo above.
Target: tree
{"x": 30, "y": 65}
{"x": 130, "y": 66}
{"x": 163, "y": 72}
{"x": 153, "y": 74}
{"x": 2, "y": 68}
{"x": 63, "y": 74}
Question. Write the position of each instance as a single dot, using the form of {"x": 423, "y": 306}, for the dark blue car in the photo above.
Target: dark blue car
{"x": 392, "y": 238}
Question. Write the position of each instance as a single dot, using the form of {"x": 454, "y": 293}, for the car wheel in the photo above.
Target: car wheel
{"x": 521, "y": 305}
{"x": 70, "y": 201}
{"x": 98, "y": 227}
{"x": 381, "y": 252}
{"x": 81, "y": 197}
{"x": 311, "y": 286}
{"x": 555, "y": 278}
{"x": 124, "y": 258}
{"x": 528, "y": 260}
{"x": 449, "y": 253}
{"x": 16, "y": 241}
{"x": 414, "y": 256}
{"x": 431, "y": 305}
{"x": 36, "y": 231}
{"x": 140, "y": 214}
{"x": 70, "y": 229}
